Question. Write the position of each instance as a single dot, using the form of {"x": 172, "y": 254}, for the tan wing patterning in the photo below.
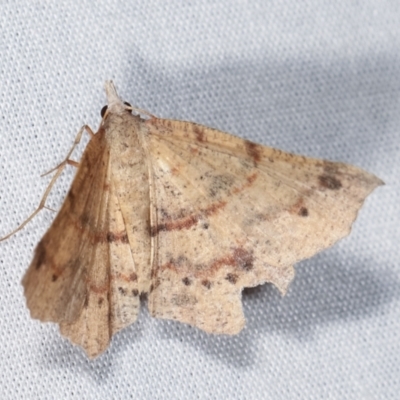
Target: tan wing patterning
{"x": 232, "y": 214}
{"x": 189, "y": 215}
{"x": 83, "y": 275}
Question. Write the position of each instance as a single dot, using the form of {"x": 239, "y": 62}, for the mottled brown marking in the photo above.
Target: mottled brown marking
{"x": 154, "y": 273}
{"x": 40, "y": 256}
{"x": 243, "y": 258}
{"x": 102, "y": 236}
{"x": 253, "y": 150}
{"x": 213, "y": 208}
{"x": 175, "y": 171}
{"x": 135, "y": 292}
{"x": 303, "y": 212}
{"x": 99, "y": 289}
{"x": 122, "y": 291}
{"x": 194, "y": 151}
{"x": 183, "y": 223}
{"x": 330, "y": 167}
{"x": 183, "y": 299}
{"x": 133, "y": 277}
{"x": 222, "y": 262}
{"x": 54, "y": 277}
{"x": 86, "y": 301}
{"x": 299, "y": 207}
{"x": 240, "y": 258}
{"x": 84, "y": 219}
{"x": 206, "y": 283}
{"x": 251, "y": 178}
{"x": 113, "y": 237}
{"x": 155, "y": 285}
{"x": 249, "y": 182}
{"x": 232, "y": 278}
{"x": 220, "y": 183}
{"x": 188, "y": 221}
{"x": 199, "y": 132}
{"x": 329, "y": 182}
{"x": 186, "y": 281}
{"x": 110, "y": 237}
{"x": 153, "y": 231}
{"x": 100, "y": 301}
{"x": 71, "y": 197}
{"x": 127, "y": 278}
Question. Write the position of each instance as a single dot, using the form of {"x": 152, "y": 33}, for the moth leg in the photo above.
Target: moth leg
{"x": 73, "y": 163}
{"x": 76, "y": 142}
{"x": 41, "y": 205}
{"x": 59, "y": 170}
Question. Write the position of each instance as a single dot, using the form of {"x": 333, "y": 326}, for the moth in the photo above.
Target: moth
{"x": 185, "y": 214}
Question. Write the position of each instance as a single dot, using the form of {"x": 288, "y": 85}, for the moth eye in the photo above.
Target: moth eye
{"x": 103, "y": 111}
{"x": 127, "y": 104}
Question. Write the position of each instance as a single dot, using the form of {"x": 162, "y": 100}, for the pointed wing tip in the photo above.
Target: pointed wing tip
{"x": 372, "y": 183}
{"x": 379, "y": 182}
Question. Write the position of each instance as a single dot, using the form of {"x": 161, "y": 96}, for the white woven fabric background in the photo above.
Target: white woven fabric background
{"x": 320, "y": 78}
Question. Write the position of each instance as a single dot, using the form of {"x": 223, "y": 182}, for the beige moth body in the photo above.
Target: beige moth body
{"x": 187, "y": 215}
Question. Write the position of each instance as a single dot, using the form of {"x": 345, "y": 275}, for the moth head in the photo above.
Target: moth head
{"x": 115, "y": 104}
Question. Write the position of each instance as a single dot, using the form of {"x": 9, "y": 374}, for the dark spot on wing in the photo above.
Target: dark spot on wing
{"x": 110, "y": 237}
{"x": 303, "y": 212}
{"x": 71, "y": 196}
{"x": 132, "y": 277}
{"x": 135, "y": 292}
{"x": 122, "y": 291}
{"x": 232, "y": 278}
{"x": 100, "y": 301}
{"x": 254, "y": 150}
{"x": 329, "y": 182}
{"x": 84, "y": 218}
{"x": 186, "y": 281}
{"x": 40, "y": 255}
{"x": 54, "y": 277}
